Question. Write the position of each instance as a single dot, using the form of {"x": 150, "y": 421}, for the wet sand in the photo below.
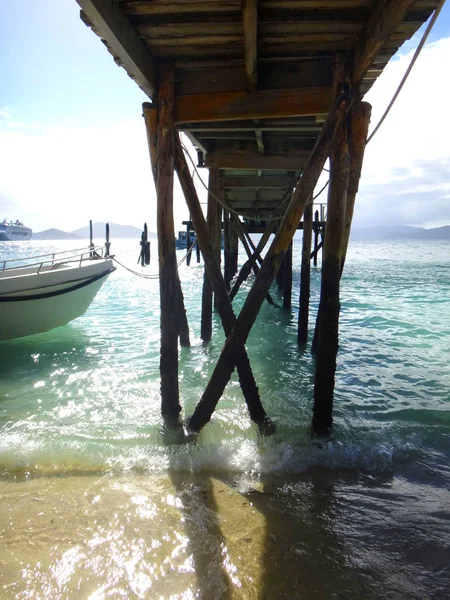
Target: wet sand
{"x": 184, "y": 535}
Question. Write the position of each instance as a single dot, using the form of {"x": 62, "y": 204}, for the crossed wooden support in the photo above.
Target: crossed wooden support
{"x": 234, "y": 354}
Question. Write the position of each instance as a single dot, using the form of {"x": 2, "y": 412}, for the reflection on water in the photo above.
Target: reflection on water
{"x": 96, "y": 501}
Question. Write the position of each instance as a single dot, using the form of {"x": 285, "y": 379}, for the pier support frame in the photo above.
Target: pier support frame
{"x": 251, "y": 262}
{"x": 299, "y": 200}
{"x": 223, "y": 304}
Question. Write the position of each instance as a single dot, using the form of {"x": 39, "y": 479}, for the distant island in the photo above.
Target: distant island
{"x": 54, "y": 234}
{"x": 116, "y": 232}
{"x": 400, "y": 232}
{"x": 381, "y": 232}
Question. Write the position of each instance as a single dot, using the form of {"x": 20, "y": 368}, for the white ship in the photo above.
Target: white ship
{"x": 14, "y": 231}
{"x": 49, "y": 290}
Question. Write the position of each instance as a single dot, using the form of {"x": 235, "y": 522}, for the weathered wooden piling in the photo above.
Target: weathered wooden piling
{"x": 305, "y": 276}
{"x": 197, "y": 252}
{"x": 170, "y": 406}
{"x": 211, "y": 220}
{"x": 316, "y": 237}
{"x": 328, "y": 314}
{"x": 107, "y": 242}
{"x": 226, "y": 249}
{"x": 234, "y": 247}
{"x": 144, "y": 255}
{"x": 359, "y": 127}
{"x": 150, "y": 113}
{"x": 188, "y": 243}
{"x": 91, "y": 239}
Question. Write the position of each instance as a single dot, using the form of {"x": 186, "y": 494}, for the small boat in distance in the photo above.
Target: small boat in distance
{"x": 49, "y": 290}
{"x": 14, "y": 231}
{"x": 182, "y": 240}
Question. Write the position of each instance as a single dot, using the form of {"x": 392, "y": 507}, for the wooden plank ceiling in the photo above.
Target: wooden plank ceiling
{"x": 253, "y": 78}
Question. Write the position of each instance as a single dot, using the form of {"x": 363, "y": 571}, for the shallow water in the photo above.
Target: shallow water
{"x": 97, "y": 501}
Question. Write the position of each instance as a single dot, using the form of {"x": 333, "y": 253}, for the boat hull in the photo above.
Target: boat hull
{"x": 14, "y": 233}
{"x": 57, "y": 301}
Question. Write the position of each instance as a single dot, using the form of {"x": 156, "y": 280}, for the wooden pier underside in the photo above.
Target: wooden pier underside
{"x": 266, "y": 91}
{"x": 253, "y": 79}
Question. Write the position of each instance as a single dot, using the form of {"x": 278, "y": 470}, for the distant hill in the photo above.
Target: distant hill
{"x": 116, "y": 232}
{"x": 400, "y": 232}
{"x": 55, "y": 234}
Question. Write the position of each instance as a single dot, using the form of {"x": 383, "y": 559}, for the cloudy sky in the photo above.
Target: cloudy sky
{"x": 73, "y": 144}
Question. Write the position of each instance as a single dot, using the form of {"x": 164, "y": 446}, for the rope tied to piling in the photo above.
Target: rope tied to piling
{"x": 152, "y": 276}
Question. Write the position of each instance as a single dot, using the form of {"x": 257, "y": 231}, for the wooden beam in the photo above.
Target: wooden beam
{"x": 111, "y": 25}
{"x": 237, "y": 106}
{"x": 284, "y": 146}
{"x": 163, "y": 7}
{"x": 384, "y": 19}
{"x": 250, "y": 22}
{"x": 210, "y": 132}
{"x": 259, "y": 182}
{"x": 275, "y": 75}
{"x": 254, "y": 195}
{"x": 294, "y": 162}
{"x": 196, "y": 142}
{"x": 248, "y": 207}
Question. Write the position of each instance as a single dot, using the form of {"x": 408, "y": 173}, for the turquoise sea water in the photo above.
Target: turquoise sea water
{"x": 365, "y": 514}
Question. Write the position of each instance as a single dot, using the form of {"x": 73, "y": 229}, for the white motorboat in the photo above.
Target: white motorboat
{"x": 14, "y": 231}
{"x": 49, "y": 290}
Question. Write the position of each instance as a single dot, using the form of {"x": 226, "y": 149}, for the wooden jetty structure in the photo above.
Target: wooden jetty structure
{"x": 267, "y": 91}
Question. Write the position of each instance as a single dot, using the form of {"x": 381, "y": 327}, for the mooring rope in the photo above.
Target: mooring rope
{"x": 153, "y": 276}
{"x": 403, "y": 81}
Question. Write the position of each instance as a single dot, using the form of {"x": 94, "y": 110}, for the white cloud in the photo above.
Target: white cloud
{"x": 62, "y": 177}
{"x": 407, "y": 164}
